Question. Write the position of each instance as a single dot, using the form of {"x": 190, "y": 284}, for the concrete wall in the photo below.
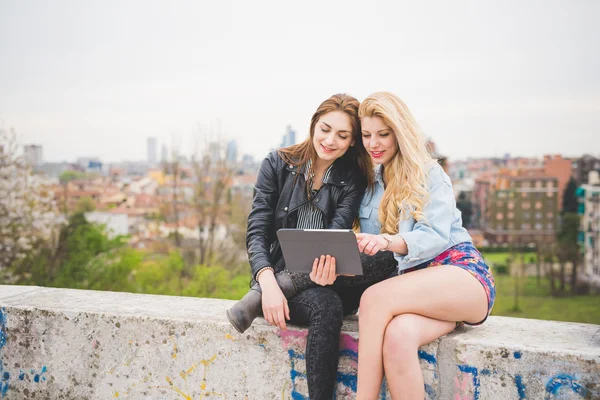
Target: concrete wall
{"x": 72, "y": 344}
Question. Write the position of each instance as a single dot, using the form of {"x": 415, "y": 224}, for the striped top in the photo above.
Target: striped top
{"x": 309, "y": 216}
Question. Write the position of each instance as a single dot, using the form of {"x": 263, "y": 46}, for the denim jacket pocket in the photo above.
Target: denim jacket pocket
{"x": 365, "y": 211}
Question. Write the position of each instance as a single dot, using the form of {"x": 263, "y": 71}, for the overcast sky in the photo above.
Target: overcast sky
{"x": 96, "y": 78}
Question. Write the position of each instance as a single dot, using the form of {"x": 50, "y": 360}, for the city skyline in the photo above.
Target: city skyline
{"x": 97, "y": 79}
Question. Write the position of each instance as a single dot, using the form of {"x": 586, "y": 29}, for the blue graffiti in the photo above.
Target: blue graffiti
{"x": 430, "y": 358}
{"x": 475, "y": 373}
{"x": 517, "y": 354}
{"x": 2, "y": 328}
{"x": 520, "y": 387}
{"x": 430, "y": 392}
{"x": 36, "y": 377}
{"x": 349, "y": 380}
{"x": 295, "y": 374}
{"x": 557, "y": 382}
{"x": 5, "y": 382}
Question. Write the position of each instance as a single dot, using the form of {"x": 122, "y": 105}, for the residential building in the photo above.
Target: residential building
{"x": 521, "y": 208}
{"x": 561, "y": 169}
{"x": 582, "y": 167}
{"x": 33, "y": 155}
{"x": 589, "y": 233}
{"x": 116, "y": 224}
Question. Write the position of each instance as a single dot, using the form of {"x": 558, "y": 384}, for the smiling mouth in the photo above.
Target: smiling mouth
{"x": 327, "y": 149}
{"x": 377, "y": 154}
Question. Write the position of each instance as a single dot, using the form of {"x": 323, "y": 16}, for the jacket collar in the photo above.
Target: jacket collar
{"x": 338, "y": 175}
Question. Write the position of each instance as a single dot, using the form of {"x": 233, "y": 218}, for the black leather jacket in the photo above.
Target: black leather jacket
{"x": 279, "y": 192}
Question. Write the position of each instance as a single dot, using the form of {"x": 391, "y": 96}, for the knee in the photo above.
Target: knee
{"x": 400, "y": 339}
{"x": 371, "y": 301}
{"x": 327, "y": 308}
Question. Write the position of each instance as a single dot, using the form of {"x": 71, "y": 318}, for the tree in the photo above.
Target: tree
{"x": 212, "y": 177}
{"x": 568, "y": 248}
{"x": 570, "y": 202}
{"x": 66, "y": 265}
{"x": 71, "y": 175}
{"x": 27, "y": 209}
{"x": 85, "y": 204}
{"x": 463, "y": 203}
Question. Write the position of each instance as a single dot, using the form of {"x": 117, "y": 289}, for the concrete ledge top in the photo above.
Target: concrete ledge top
{"x": 497, "y": 331}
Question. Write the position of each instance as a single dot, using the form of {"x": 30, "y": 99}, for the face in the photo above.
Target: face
{"x": 333, "y": 136}
{"x": 379, "y": 140}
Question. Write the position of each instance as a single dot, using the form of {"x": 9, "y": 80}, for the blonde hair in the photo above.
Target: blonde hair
{"x": 405, "y": 175}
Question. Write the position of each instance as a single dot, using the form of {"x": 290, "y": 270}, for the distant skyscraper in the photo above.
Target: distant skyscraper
{"x": 231, "y": 152}
{"x": 33, "y": 154}
{"x": 164, "y": 155}
{"x": 152, "y": 150}
{"x": 289, "y": 138}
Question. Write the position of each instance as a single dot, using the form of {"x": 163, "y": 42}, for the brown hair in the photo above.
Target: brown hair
{"x": 357, "y": 155}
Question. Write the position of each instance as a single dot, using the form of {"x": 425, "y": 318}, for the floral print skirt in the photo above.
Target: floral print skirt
{"x": 466, "y": 256}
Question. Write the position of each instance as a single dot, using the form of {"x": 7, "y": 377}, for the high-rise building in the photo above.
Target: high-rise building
{"x": 231, "y": 152}
{"x": 152, "y": 150}
{"x": 164, "y": 154}
{"x": 33, "y": 154}
{"x": 289, "y": 138}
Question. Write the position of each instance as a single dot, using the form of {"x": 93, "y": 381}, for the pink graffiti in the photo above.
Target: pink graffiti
{"x": 290, "y": 337}
{"x": 347, "y": 342}
{"x": 461, "y": 386}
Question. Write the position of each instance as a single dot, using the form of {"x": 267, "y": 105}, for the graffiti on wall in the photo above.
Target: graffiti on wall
{"x": 31, "y": 375}
{"x": 467, "y": 383}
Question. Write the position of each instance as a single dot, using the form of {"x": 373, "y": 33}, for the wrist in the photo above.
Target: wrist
{"x": 265, "y": 274}
{"x": 388, "y": 239}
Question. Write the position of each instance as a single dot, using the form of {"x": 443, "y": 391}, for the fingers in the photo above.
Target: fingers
{"x": 326, "y": 268}
{"x": 332, "y": 275}
{"x": 363, "y": 242}
{"x": 320, "y": 269}
{"x": 280, "y": 318}
{"x": 368, "y": 244}
{"x": 287, "y": 309}
{"x": 371, "y": 248}
{"x": 313, "y": 273}
{"x": 268, "y": 317}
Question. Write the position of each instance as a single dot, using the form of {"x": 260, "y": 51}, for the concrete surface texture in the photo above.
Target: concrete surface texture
{"x": 73, "y": 344}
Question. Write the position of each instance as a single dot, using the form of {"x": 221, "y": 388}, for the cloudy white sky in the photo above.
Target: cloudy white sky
{"x": 96, "y": 78}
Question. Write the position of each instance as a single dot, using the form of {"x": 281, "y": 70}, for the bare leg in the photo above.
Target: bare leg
{"x": 403, "y": 337}
{"x": 445, "y": 293}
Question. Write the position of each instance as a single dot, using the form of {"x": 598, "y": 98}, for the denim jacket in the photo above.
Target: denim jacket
{"x": 425, "y": 239}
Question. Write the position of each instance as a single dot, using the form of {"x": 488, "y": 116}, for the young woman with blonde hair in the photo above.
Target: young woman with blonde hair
{"x": 442, "y": 279}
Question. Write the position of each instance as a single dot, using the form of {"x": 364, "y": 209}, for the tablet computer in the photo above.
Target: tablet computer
{"x": 301, "y": 246}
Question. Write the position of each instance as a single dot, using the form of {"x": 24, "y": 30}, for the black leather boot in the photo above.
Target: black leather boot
{"x": 243, "y": 313}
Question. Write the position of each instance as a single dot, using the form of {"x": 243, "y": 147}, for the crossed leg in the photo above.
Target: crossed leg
{"x": 440, "y": 296}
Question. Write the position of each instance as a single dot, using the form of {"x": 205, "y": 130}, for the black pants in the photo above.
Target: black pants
{"x": 322, "y": 310}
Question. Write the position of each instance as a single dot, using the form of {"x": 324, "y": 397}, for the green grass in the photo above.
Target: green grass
{"x": 537, "y": 303}
{"x": 502, "y": 258}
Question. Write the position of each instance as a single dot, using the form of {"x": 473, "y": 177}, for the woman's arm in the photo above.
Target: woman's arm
{"x": 261, "y": 218}
{"x": 429, "y": 236}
